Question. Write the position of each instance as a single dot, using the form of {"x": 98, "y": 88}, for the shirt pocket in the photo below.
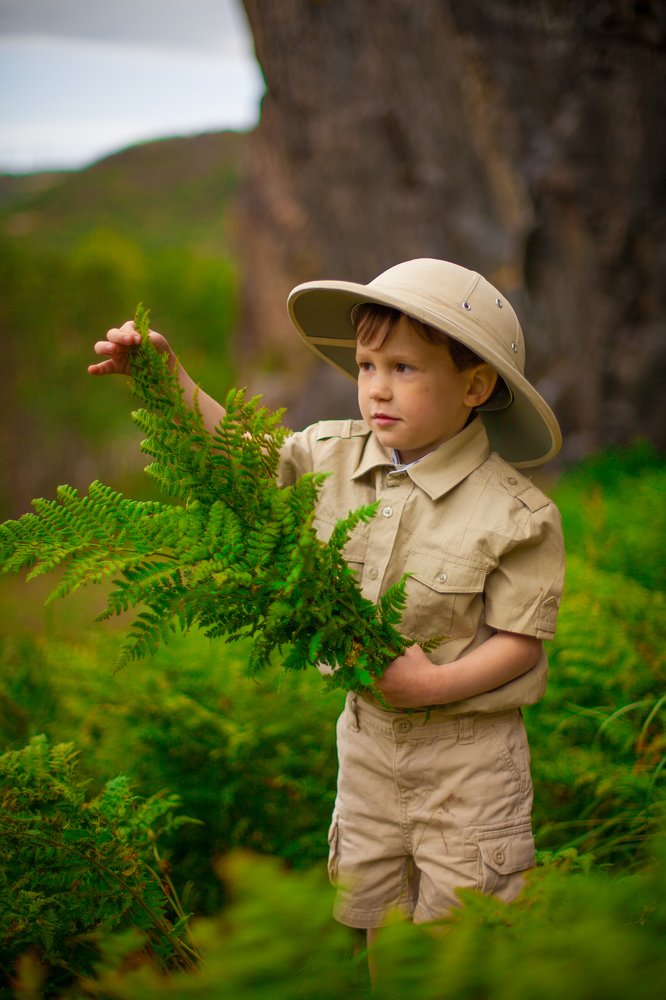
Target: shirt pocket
{"x": 323, "y": 523}
{"x": 444, "y": 595}
{"x": 356, "y": 546}
{"x": 356, "y": 550}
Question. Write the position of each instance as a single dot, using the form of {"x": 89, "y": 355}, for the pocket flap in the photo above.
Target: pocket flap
{"x": 445, "y": 573}
{"x": 356, "y": 547}
{"x": 507, "y": 851}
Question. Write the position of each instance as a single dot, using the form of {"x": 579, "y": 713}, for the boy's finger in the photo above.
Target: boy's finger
{"x": 102, "y": 368}
{"x": 105, "y": 347}
{"x": 126, "y": 334}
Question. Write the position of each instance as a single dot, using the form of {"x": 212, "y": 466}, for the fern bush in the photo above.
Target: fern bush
{"x": 193, "y": 722}
{"x": 578, "y": 935}
{"x": 599, "y": 735}
{"x": 252, "y": 759}
{"x": 235, "y": 555}
{"x": 72, "y": 868}
{"x": 582, "y": 936}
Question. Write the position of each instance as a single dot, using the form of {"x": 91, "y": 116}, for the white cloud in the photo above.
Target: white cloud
{"x": 66, "y": 101}
{"x": 198, "y": 25}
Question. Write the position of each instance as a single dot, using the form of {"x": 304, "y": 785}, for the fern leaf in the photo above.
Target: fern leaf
{"x": 234, "y": 555}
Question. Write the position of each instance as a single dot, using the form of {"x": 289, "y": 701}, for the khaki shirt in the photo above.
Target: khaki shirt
{"x": 482, "y": 545}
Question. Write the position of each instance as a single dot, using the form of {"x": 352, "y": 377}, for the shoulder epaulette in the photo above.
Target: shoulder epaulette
{"x": 522, "y": 489}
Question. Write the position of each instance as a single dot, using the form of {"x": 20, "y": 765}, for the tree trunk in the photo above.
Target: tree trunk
{"x": 524, "y": 140}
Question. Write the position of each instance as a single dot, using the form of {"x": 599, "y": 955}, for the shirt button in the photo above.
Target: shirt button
{"x": 372, "y": 573}
{"x": 512, "y": 481}
{"x": 442, "y": 578}
{"x": 498, "y": 856}
{"x": 387, "y": 511}
{"x": 402, "y": 726}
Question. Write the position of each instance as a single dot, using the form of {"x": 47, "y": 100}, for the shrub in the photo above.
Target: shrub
{"x": 599, "y": 735}
{"x": 582, "y": 936}
{"x": 72, "y": 869}
{"x": 253, "y": 760}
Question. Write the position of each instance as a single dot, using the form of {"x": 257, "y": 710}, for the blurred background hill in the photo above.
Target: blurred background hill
{"x": 78, "y": 251}
{"x": 527, "y": 142}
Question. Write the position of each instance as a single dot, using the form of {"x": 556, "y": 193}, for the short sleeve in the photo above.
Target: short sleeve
{"x": 296, "y": 457}
{"x": 523, "y": 592}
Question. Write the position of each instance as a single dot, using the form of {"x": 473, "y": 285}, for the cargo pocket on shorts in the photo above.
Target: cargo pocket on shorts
{"x": 333, "y": 849}
{"x": 504, "y": 854}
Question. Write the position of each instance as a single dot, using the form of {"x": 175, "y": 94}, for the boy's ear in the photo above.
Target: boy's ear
{"x": 482, "y": 381}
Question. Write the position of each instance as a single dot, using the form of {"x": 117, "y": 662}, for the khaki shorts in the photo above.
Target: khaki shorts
{"x": 427, "y": 805}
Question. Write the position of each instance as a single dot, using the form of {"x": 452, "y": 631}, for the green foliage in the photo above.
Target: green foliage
{"x": 576, "y": 935}
{"x": 275, "y": 939}
{"x": 613, "y": 507}
{"x": 599, "y": 735}
{"x": 77, "y": 251}
{"x": 252, "y": 760}
{"x": 72, "y": 869}
{"x": 256, "y": 764}
{"x": 238, "y": 557}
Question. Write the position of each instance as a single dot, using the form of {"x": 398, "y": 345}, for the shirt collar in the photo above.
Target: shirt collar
{"x": 442, "y": 469}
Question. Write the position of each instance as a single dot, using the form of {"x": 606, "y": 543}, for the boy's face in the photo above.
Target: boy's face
{"x": 410, "y": 393}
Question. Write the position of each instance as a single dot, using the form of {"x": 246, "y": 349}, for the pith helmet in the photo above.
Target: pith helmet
{"x": 460, "y": 303}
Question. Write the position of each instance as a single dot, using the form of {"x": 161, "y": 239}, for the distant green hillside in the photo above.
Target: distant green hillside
{"x": 77, "y": 251}
{"x": 168, "y": 192}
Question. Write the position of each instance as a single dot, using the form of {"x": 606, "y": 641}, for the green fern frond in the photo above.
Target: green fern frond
{"x": 344, "y": 528}
{"x": 392, "y": 602}
{"x": 235, "y": 555}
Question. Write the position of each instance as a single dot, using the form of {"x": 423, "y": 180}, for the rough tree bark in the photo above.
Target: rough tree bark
{"x": 523, "y": 139}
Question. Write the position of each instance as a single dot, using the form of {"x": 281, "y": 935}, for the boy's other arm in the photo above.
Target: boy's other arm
{"x": 117, "y": 350}
{"x": 414, "y": 681}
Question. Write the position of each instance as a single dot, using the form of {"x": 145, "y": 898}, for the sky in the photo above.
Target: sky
{"x": 80, "y": 79}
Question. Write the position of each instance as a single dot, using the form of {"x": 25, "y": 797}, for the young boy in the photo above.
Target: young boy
{"x": 439, "y": 796}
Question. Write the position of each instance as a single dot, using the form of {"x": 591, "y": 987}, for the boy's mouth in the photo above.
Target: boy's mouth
{"x": 384, "y": 419}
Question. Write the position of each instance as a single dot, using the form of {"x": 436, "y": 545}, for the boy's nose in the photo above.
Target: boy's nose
{"x": 380, "y": 389}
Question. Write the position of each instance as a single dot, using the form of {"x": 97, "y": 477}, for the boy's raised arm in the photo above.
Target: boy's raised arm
{"x": 117, "y": 351}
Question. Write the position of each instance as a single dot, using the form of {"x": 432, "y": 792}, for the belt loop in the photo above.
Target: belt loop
{"x": 465, "y": 729}
{"x": 353, "y": 708}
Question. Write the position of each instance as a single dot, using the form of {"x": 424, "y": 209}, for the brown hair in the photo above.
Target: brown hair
{"x": 373, "y": 321}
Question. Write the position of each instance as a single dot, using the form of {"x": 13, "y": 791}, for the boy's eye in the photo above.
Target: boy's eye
{"x": 402, "y": 366}
{"x": 364, "y": 366}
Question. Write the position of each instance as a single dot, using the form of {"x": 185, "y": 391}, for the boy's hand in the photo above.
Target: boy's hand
{"x": 408, "y": 681}
{"x": 119, "y": 346}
